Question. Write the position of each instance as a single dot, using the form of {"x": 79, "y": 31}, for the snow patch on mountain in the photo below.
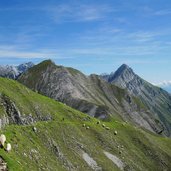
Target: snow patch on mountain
{"x": 11, "y": 71}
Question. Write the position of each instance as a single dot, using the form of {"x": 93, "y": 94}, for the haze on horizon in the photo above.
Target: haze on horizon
{"x": 94, "y": 37}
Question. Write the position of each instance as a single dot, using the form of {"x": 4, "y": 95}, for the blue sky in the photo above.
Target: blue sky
{"x": 92, "y": 36}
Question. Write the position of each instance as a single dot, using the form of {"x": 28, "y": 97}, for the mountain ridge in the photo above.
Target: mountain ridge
{"x": 89, "y": 94}
{"x": 156, "y": 99}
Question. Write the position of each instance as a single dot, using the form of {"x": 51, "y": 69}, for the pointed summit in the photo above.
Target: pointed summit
{"x": 124, "y": 72}
{"x": 124, "y": 66}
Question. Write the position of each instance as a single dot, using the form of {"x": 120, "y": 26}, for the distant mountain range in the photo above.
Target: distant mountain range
{"x": 121, "y": 94}
{"x": 10, "y": 71}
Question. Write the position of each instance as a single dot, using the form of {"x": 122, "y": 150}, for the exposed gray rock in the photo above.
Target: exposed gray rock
{"x": 157, "y": 101}
{"x": 117, "y": 161}
{"x": 88, "y": 94}
{"x": 61, "y": 157}
{"x": 3, "y": 164}
{"x": 12, "y": 114}
{"x": 3, "y": 121}
{"x": 93, "y": 95}
{"x": 91, "y": 162}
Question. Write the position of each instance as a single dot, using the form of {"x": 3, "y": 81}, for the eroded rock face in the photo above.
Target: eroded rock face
{"x": 68, "y": 86}
{"x": 12, "y": 114}
{"x": 3, "y": 121}
{"x": 89, "y": 94}
{"x": 155, "y": 99}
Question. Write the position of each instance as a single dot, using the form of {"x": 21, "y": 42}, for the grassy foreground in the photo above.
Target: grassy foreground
{"x": 59, "y": 143}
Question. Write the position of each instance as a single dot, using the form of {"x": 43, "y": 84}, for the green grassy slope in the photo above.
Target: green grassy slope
{"x": 59, "y": 144}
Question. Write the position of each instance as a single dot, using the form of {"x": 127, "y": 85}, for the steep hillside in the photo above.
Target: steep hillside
{"x": 89, "y": 94}
{"x": 48, "y": 135}
{"x": 156, "y": 99}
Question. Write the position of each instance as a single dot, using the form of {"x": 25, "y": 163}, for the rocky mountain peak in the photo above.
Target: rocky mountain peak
{"x": 124, "y": 72}
{"x": 13, "y": 72}
{"x": 124, "y": 66}
{"x": 23, "y": 67}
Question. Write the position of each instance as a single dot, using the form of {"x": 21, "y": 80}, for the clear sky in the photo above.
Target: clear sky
{"x": 94, "y": 36}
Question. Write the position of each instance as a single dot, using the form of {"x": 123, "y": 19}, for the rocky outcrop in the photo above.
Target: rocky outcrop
{"x": 60, "y": 156}
{"x": 3, "y": 165}
{"x": 3, "y": 121}
{"x": 12, "y": 114}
